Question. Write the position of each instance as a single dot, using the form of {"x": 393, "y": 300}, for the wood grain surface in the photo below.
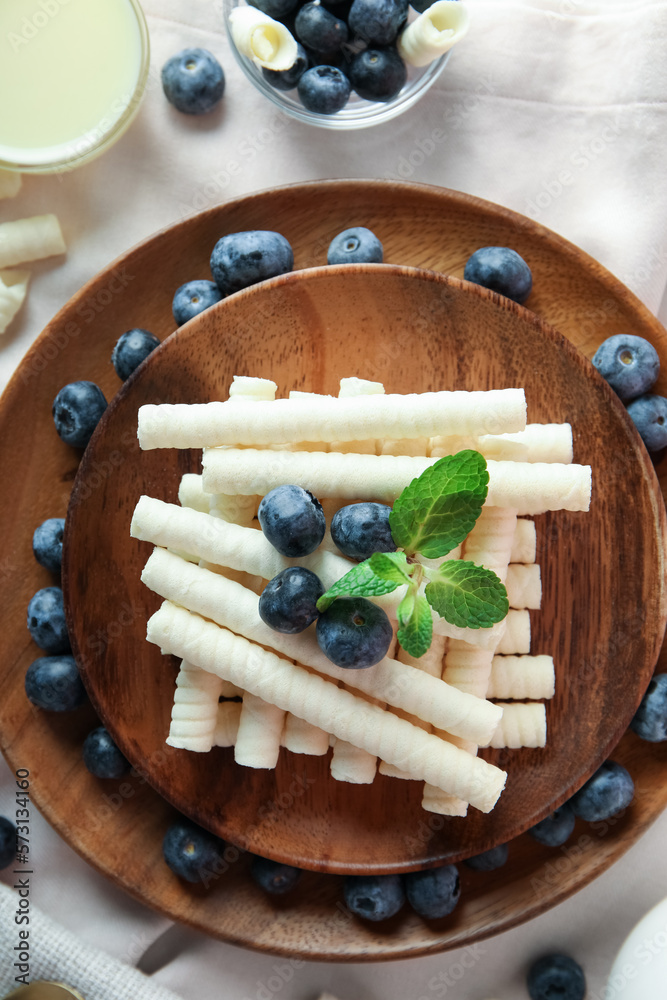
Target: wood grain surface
{"x": 118, "y": 825}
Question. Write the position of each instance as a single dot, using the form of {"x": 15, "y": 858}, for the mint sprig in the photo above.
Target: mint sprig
{"x": 438, "y": 509}
{"x": 467, "y": 595}
{"x": 433, "y": 515}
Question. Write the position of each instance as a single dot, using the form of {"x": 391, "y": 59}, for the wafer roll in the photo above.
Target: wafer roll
{"x": 516, "y": 638}
{"x": 524, "y": 487}
{"x": 234, "y": 607}
{"x": 524, "y": 548}
{"x": 524, "y": 724}
{"x": 260, "y": 730}
{"x": 522, "y": 678}
{"x": 227, "y": 723}
{"x": 524, "y": 586}
{"x": 243, "y": 549}
{"x": 191, "y": 493}
{"x": 327, "y": 418}
{"x": 195, "y": 709}
{"x": 320, "y": 702}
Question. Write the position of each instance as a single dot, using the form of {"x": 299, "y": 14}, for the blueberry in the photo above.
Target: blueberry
{"x": 288, "y": 603}
{"x": 377, "y": 21}
{"x": 556, "y": 977}
{"x": 377, "y": 74}
{"x": 319, "y": 29}
{"x": 77, "y": 410}
{"x": 53, "y": 683}
{"x": 488, "y": 861}
{"x": 360, "y": 529}
{"x": 131, "y": 349}
{"x": 336, "y": 59}
{"x": 277, "y": 9}
{"x": 46, "y": 620}
{"x": 101, "y": 755}
{"x": 629, "y": 364}
{"x": 193, "y": 81}
{"x": 193, "y": 298}
{"x": 608, "y": 792}
{"x": 241, "y": 259}
{"x": 355, "y": 246}
{"x": 650, "y": 721}
{"x": 354, "y": 632}
{"x": 555, "y": 829}
{"x": 287, "y": 79}
{"x": 272, "y": 877}
{"x": 191, "y": 852}
{"x": 649, "y": 415}
{"x": 433, "y": 893}
{"x": 502, "y": 270}
{"x": 374, "y": 897}
{"x": 324, "y": 90}
{"x": 293, "y": 520}
{"x": 47, "y": 543}
{"x": 8, "y": 842}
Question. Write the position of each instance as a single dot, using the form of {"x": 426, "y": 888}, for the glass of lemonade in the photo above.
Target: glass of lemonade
{"x": 72, "y": 74}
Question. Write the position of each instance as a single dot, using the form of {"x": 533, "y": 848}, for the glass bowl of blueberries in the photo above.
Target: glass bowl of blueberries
{"x": 343, "y": 64}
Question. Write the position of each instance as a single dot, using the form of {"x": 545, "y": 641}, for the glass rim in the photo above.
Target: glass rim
{"x": 65, "y": 163}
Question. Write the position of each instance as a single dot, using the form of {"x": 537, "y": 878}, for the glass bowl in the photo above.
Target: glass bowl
{"x": 357, "y": 113}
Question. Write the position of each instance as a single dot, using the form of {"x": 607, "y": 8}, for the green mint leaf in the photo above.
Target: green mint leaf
{"x": 438, "y": 509}
{"x": 360, "y": 581}
{"x": 467, "y": 595}
{"x": 406, "y": 607}
{"x": 416, "y": 635}
{"x": 391, "y": 566}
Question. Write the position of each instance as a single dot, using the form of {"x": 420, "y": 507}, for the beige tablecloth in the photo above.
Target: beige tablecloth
{"x": 555, "y": 108}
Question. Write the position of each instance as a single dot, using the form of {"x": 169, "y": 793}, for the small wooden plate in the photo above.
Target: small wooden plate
{"x": 118, "y": 826}
{"x": 416, "y": 331}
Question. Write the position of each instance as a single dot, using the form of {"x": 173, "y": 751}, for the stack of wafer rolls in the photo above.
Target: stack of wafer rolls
{"x": 423, "y": 719}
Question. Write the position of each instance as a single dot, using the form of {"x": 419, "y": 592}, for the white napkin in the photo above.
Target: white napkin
{"x": 56, "y": 955}
{"x": 555, "y": 108}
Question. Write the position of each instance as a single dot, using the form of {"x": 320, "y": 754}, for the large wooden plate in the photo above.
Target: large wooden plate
{"x": 118, "y": 826}
{"x": 306, "y": 330}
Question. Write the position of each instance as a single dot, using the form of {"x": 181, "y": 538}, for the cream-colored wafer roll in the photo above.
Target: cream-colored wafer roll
{"x": 433, "y": 33}
{"x": 242, "y": 509}
{"x": 524, "y": 548}
{"x": 327, "y": 418}
{"x": 30, "y": 239}
{"x": 467, "y": 669}
{"x": 525, "y": 487}
{"x": 225, "y": 544}
{"x": 227, "y": 723}
{"x": 489, "y": 544}
{"x": 234, "y": 607}
{"x": 13, "y": 290}
{"x": 354, "y": 386}
{"x": 516, "y": 638}
{"x": 350, "y": 763}
{"x": 430, "y": 663}
{"x": 311, "y": 697}
{"x": 195, "y": 709}
{"x": 260, "y": 730}
{"x": 524, "y": 724}
{"x": 524, "y": 586}
{"x": 522, "y": 678}
{"x": 267, "y": 43}
{"x": 434, "y": 799}
{"x": 191, "y": 493}
{"x": 406, "y": 446}
{"x": 543, "y": 443}
{"x": 303, "y": 737}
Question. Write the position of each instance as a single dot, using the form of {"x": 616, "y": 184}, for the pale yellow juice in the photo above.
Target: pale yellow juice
{"x": 70, "y": 72}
